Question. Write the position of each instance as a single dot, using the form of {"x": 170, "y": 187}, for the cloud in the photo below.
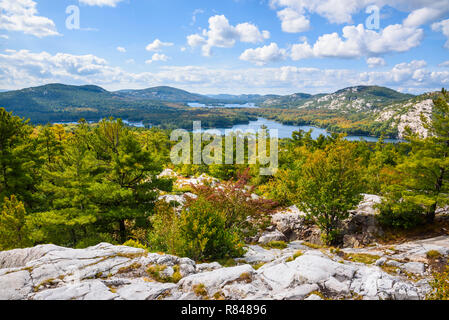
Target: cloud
{"x": 358, "y": 41}
{"x": 444, "y": 64}
{"x": 264, "y": 55}
{"x": 24, "y": 69}
{"x": 223, "y": 35}
{"x": 157, "y": 57}
{"x": 442, "y": 26}
{"x": 22, "y": 16}
{"x": 294, "y": 14}
{"x": 101, "y": 3}
{"x": 121, "y": 49}
{"x": 375, "y": 62}
{"x": 422, "y": 16}
{"x": 195, "y": 13}
{"x": 292, "y": 21}
{"x": 4, "y": 36}
{"x": 157, "y": 45}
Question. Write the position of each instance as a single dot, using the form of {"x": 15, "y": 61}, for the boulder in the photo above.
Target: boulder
{"x": 268, "y": 237}
{"x": 107, "y": 272}
{"x": 144, "y": 290}
{"x": 292, "y": 223}
{"x": 88, "y": 290}
{"x": 414, "y": 267}
{"x": 15, "y": 285}
{"x": 217, "y": 279}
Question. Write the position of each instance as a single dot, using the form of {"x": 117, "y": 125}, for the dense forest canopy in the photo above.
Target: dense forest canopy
{"x": 82, "y": 184}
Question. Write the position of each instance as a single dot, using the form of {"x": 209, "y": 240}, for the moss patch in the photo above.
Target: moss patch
{"x": 275, "y": 245}
{"x": 259, "y": 265}
{"x": 294, "y": 256}
{"x": 364, "y": 258}
{"x": 130, "y": 268}
{"x": 312, "y": 245}
{"x": 245, "y": 277}
{"x": 155, "y": 272}
{"x": 200, "y": 290}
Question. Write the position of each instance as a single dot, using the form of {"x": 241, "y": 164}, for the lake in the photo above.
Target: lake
{"x": 285, "y": 131}
{"x": 227, "y": 105}
{"x": 137, "y": 124}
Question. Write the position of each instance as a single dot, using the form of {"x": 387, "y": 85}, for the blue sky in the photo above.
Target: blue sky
{"x": 228, "y": 46}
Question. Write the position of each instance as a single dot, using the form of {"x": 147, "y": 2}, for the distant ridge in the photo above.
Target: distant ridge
{"x": 164, "y": 93}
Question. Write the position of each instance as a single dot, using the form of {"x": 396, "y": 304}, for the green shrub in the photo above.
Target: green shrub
{"x": 204, "y": 235}
{"x": 211, "y": 226}
{"x": 14, "y": 231}
{"x": 400, "y": 213}
{"x": 440, "y": 286}
{"x": 433, "y": 254}
{"x": 93, "y": 240}
{"x": 134, "y": 244}
{"x": 164, "y": 235}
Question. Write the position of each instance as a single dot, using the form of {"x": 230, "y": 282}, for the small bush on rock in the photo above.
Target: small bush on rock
{"x": 134, "y": 244}
{"x": 440, "y": 286}
{"x": 397, "y": 212}
{"x": 212, "y": 225}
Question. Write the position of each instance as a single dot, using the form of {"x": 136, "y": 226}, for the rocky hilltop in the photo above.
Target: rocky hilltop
{"x": 107, "y": 272}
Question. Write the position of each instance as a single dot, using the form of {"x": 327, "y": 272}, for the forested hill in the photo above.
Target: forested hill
{"x": 67, "y": 103}
{"x": 167, "y": 94}
{"x": 58, "y": 102}
{"x": 359, "y": 98}
{"x": 358, "y": 107}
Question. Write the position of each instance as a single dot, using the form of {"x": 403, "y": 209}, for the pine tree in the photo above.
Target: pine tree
{"x": 65, "y": 193}
{"x": 14, "y": 231}
{"x": 128, "y": 188}
{"x": 426, "y": 170}
{"x": 17, "y": 158}
{"x": 50, "y": 143}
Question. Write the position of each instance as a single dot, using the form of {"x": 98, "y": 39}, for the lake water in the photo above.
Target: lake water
{"x": 285, "y": 131}
{"x": 228, "y": 105}
{"x": 137, "y": 124}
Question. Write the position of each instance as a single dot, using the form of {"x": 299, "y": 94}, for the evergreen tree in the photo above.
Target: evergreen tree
{"x": 67, "y": 208}
{"x": 17, "y": 158}
{"x": 128, "y": 188}
{"x": 14, "y": 231}
{"x": 425, "y": 172}
{"x": 50, "y": 144}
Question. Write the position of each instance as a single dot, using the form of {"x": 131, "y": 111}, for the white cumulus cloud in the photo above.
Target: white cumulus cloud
{"x": 375, "y": 62}
{"x": 356, "y": 41}
{"x": 263, "y": 55}
{"x": 295, "y": 14}
{"x": 121, "y": 49}
{"x": 157, "y": 57}
{"x": 157, "y": 45}
{"x": 22, "y": 16}
{"x": 221, "y": 34}
{"x": 24, "y": 68}
{"x": 442, "y": 26}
